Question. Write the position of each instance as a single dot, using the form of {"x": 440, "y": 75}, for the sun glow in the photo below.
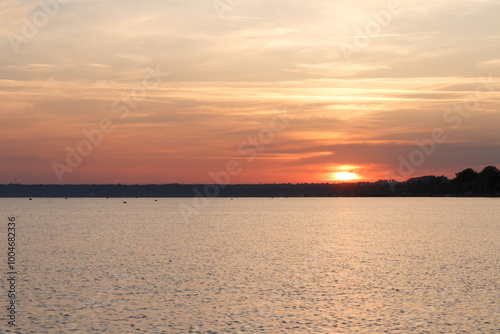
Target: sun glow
{"x": 345, "y": 176}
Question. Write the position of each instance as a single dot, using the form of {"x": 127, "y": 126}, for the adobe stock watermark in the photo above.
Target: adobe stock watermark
{"x": 223, "y": 6}
{"x": 31, "y": 27}
{"x": 249, "y": 148}
{"x": 362, "y": 39}
{"x": 455, "y": 117}
{"x": 95, "y": 136}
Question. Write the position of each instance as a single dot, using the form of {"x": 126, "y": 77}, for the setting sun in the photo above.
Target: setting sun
{"x": 345, "y": 176}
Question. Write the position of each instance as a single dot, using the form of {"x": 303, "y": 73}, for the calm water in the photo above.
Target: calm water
{"x": 339, "y": 265}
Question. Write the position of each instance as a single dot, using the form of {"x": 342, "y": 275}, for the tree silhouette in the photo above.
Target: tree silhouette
{"x": 489, "y": 180}
{"x": 466, "y": 175}
{"x": 465, "y": 181}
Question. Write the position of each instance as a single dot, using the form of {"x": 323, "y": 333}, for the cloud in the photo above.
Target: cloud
{"x": 489, "y": 64}
{"x": 50, "y": 68}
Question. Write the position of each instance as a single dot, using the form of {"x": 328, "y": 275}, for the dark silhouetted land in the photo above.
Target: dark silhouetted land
{"x": 466, "y": 183}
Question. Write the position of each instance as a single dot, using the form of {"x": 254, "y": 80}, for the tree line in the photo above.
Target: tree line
{"x": 466, "y": 183}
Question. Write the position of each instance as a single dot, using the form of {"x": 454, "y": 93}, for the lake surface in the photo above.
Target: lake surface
{"x": 283, "y": 265}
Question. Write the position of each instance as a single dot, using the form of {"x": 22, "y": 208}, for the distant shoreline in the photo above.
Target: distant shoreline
{"x": 426, "y": 188}
{"x": 342, "y": 196}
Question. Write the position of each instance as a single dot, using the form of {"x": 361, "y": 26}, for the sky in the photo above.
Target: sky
{"x": 239, "y": 91}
